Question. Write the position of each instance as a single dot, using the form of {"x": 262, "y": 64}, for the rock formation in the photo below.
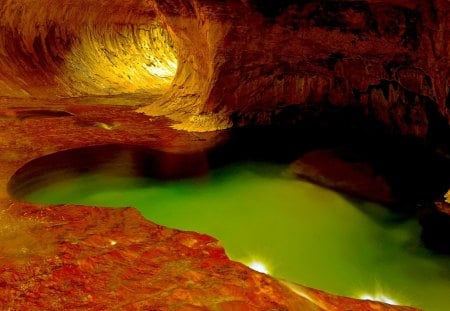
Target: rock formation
{"x": 78, "y": 257}
{"x": 55, "y": 49}
{"x": 206, "y": 65}
{"x": 245, "y": 58}
{"x": 238, "y": 60}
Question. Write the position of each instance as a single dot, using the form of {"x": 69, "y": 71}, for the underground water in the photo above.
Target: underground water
{"x": 277, "y": 224}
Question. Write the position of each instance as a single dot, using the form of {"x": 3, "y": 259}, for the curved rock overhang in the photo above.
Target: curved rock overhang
{"x": 238, "y": 60}
{"x": 390, "y": 58}
{"x": 52, "y": 49}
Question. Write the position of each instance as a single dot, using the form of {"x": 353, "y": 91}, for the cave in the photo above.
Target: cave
{"x": 224, "y": 155}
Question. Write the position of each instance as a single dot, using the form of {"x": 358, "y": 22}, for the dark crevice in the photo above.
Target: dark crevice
{"x": 271, "y": 9}
{"x": 41, "y": 113}
{"x": 111, "y": 160}
{"x": 416, "y": 172}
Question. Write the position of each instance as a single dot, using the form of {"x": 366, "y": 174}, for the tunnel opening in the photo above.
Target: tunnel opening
{"x": 94, "y": 59}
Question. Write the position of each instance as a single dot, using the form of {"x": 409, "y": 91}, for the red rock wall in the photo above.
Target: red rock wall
{"x": 391, "y": 57}
{"x": 241, "y": 58}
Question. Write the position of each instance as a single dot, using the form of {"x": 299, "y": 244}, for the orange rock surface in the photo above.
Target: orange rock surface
{"x": 237, "y": 60}
{"x": 388, "y": 57}
{"x": 206, "y": 65}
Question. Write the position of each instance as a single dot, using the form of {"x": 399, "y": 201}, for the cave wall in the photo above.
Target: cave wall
{"x": 54, "y": 48}
{"x": 250, "y": 57}
{"x": 238, "y": 60}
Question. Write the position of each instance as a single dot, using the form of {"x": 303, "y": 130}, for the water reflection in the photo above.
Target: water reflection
{"x": 108, "y": 162}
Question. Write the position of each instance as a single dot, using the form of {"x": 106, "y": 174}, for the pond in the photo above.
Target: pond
{"x": 277, "y": 224}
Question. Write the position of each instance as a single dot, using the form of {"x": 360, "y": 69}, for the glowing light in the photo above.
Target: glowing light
{"x": 380, "y": 298}
{"x": 161, "y": 71}
{"x": 105, "y": 126}
{"x": 121, "y": 60}
{"x": 258, "y": 266}
{"x": 112, "y": 242}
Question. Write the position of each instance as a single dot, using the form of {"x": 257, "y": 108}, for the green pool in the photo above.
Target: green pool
{"x": 289, "y": 228}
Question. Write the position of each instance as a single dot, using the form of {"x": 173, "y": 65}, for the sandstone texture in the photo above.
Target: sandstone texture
{"x": 238, "y": 60}
{"x": 246, "y": 58}
{"x": 85, "y": 73}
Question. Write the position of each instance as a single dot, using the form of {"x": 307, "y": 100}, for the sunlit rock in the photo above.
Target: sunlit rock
{"x": 235, "y": 58}
{"x": 61, "y": 49}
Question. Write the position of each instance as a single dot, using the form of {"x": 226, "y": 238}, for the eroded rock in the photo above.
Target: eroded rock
{"x": 354, "y": 177}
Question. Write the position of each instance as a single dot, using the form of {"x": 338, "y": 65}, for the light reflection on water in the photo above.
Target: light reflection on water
{"x": 297, "y": 230}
